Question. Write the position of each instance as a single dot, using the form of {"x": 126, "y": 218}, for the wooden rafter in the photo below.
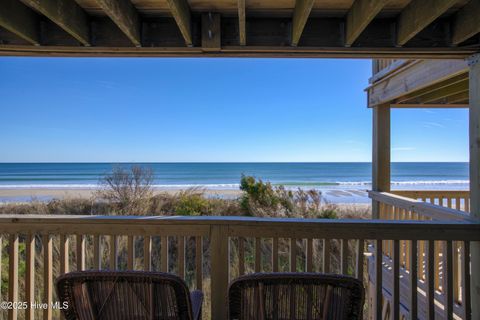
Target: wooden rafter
{"x": 242, "y": 22}
{"x": 443, "y": 92}
{"x": 300, "y": 17}
{"x": 359, "y": 16}
{"x": 181, "y": 12}
{"x": 466, "y": 22}
{"x": 446, "y": 83}
{"x": 67, "y": 14}
{"x": 418, "y": 15}
{"x": 125, "y": 16}
{"x": 20, "y": 20}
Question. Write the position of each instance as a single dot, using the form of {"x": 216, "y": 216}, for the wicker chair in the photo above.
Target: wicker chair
{"x": 130, "y": 295}
{"x": 263, "y": 296}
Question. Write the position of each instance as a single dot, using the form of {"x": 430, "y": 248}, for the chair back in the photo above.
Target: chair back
{"x": 262, "y": 296}
{"x": 132, "y": 295}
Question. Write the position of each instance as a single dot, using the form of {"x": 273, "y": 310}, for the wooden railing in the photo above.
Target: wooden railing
{"x": 433, "y": 256}
{"x": 458, "y": 200}
{"x": 209, "y": 251}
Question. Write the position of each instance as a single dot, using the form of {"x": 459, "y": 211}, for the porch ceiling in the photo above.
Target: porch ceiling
{"x": 259, "y": 28}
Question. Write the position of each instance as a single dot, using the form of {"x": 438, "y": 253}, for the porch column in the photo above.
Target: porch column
{"x": 474, "y": 119}
{"x": 381, "y": 153}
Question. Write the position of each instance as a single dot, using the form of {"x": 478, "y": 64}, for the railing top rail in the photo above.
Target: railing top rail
{"x": 243, "y": 226}
{"x": 427, "y": 209}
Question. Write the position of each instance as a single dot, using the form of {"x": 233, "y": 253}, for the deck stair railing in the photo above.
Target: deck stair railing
{"x": 433, "y": 256}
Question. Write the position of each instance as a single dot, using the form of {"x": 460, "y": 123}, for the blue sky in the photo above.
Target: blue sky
{"x": 93, "y": 110}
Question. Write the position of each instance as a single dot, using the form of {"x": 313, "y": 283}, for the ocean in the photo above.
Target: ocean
{"x": 451, "y": 175}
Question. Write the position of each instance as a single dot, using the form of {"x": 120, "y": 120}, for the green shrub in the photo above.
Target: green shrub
{"x": 191, "y": 204}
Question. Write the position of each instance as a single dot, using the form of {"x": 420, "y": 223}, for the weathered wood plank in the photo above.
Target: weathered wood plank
{"x": 466, "y": 22}
{"x": 359, "y": 16}
{"x": 199, "y": 262}
{"x": 474, "y": 137}
{"x": 300, "y": 17}
{"x": 113, "y": 253}
{"x": 181, "y": 13}
{"x": 67, "y": 14}
{"x": 131, "y": 252}
{"x": 20, "y": 20}
{"x": 241, "y": 255}
{"x": 147, "y": 253}
{"x": 380, "y": 153}
{"x": 47, "y": 243}
{"x": 181, "y": 257}
{"x": 30, "y": 275}
{"x": 293, "y": 255}
{"x": 413, "y": 280}
{"x": 418, "y": 15}
{"x": 309, "y": 255}
{"x": 125, "y": 16}
{"x": 219, "y": 274}
{"x": 80, "y": 241}
{"x": 414, "y": 77}
{"x": 97, "y": 258}
{"x": 275, "y": 255}
{"x": 13, "y": 275}
{"x": 378, "y": 279}
{"x": 164, "y": 259}
{"x": 242, "y": 27}
{"x": 258, "y": 254}
{"x": 211, "y": 32}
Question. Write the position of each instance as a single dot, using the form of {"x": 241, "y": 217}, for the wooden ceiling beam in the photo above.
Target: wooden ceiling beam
{"x": 20, "y": 20}
{"x": 300, "y": 17}
{"x": 359, "y": 16}
{"x": 181, "y": 13}
{"x": 125, "y": 16}
{"x": 466, "y": 22}
{"x": 67, "y": 14}
{"x": 242, "y": 23}
{"x": 418, "y": 15}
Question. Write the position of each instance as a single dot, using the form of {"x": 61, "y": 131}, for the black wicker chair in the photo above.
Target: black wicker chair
{"x": 130, "y": 295}
{"x": 262, "y": 296}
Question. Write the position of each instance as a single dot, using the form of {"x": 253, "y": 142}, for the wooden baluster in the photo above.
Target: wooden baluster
{"x": 13, "y": 275}
{"x": 80, "y": 252}
{"x": 64, "y": 254}
{"x": 47, "y": 275}
{"x": 449, "y": 202}
{"x": 448, "y": 275}
{"x": 97, "y": 258}
{"x": 293, "y": 255}
{"x": 181, "y": 257}
{"x": 147, "y": 253}
{"x": 396, "y": 280}
{"x": 344, "y": 256}
{"x": 458, "y": 203}
{"x": 466, "y": 296}
{"x": 113, "y": 253}
{"x": 413, "y": 280}
{"x": 437, "y": 264}
{"x": 309, "y": 262}
{"x": 130, "y": 252}
{"x": 360, "y": 261}
{"x": 30, "y": 274}
{"x": 457, "y": 248}
{"x": 467, "y": 204}
{"x": 241, "y": 254}
{"x": 199, "y": 262}
{"x": 378, "y": 279}
{"x": 164, "y": 261}
{"x": 430, "y": 291}
{"x": 326, "y": 255}
{"x": 275, "y": 255}
{"x": 258, "y": 255}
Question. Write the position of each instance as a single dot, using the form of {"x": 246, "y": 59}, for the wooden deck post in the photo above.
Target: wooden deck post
{"x": 219, "y": 272}
{"x": 474, "y": 74}
{"x": 381, "y": 153}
